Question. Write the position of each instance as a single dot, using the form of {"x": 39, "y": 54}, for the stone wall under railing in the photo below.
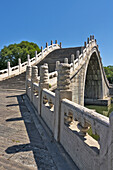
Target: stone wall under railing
{"x": 68, "y": 121}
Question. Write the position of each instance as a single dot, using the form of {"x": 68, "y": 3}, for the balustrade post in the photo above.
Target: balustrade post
{"x": 87, "y": 51}
{"x": 90, "y": 37}
{"x": 93, "y": 41}
{"x": 28, "y": 72}
{"x": 34, "y": 79}
{"x": 52, "y": 43}
{"x": 90, "y": 46}
{"x": 19, "y": 63}
{"x": 28, "y": 76}
{"x": 47, "y": 46}
{"x": 44, "y": 83}
{"x": 62, "y": 91}
{"x": 66, "y": 60}
{"x": 60, "y": 45}
{"x": 42, "y": 50}
{"x": 77, "y": 56}
{"x": 35, "y": 56}
{"x": 93, "y": 37}
{"x": 83, "y": 54}
{"x": 72, "y": 61}
{"x": 87, "y": 40}
{"x": 28, "y": 59}
{"x": 57, "y": 64}
{"x": 85, "y": 44}
{"x": 9, "y": 68}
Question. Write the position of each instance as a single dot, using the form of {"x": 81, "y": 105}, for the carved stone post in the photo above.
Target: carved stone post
{"x": 83, "y": 54}
{"x": 34, "y": 76}
{"x": 72, "y": 61}
{"x": 90, "y": 46}
{"x": 93, "y": 37}
{"x": 57, "y": 64}
{"x": 28, "y": 59}
{"x": 66, "y": 60}
{"x": 85, "y": 44}
{"x": 87, "y": 40}
{"x": 62, "y": 91}
{"x": 34, "y": 79}
{"x": 47, "y": 46}
{"x": 60, "y": 45}
{"x": 87, "y": 51}
{"x": 77, "y": 56}
{"x": 35, "y": 56}
{"x": 19, "y": 63}
{"x": 44, "y": 78}
{"x": 9, "y": 68}
{"x": 52, "y": 43}
{"x": 42, "y": 50}
{"x": 44, "y": 83}
{"x": 28, "y": 76}
{"x": 28, "y": 72}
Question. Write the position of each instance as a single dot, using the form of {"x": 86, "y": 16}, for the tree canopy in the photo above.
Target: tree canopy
{"x": 14, "y": 51}
{"x": 109, "y": 73}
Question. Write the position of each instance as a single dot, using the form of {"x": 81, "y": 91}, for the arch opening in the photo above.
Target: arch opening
{"x": 93, "y": 82}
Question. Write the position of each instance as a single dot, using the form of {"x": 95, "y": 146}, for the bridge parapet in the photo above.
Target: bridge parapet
{"x": 75, "y": 122}
{"x": 21, "y": 67}
{"x": 69, "y": 122}
{"x": 85, "y": 52}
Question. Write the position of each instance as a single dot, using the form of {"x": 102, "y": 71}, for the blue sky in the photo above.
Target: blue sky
{"x": 68, "y": 21}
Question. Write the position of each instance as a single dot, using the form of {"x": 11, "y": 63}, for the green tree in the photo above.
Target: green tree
{"x": 14, "y": 51}
{"x": 109, "y": 73}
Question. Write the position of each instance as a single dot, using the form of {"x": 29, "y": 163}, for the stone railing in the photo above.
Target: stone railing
{"x": 76, "y": 120}
{"x": 70, "y": 122}
{"x": 80, "y": 58}
{"x": 21, "y": 67}
{"x": 47, "y": 105}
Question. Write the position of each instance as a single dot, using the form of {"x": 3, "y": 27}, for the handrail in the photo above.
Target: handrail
{"x": 80, "y": 56}
{"x": 6, "y": 73}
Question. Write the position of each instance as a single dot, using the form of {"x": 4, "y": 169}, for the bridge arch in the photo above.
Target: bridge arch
{"x": 88, "y": 81}
{"x": 93, "y": 78}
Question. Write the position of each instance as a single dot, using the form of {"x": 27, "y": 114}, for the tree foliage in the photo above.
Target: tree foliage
{"x": 109, "y": 73}
{"x": 14, "y": 51}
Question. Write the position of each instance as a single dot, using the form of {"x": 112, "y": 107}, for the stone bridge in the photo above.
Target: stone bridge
{"x": 57, "y": 96}
{"x": 89, "y": 84}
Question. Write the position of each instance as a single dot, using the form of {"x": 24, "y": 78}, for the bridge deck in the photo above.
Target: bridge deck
{"x": 22, "y": 145}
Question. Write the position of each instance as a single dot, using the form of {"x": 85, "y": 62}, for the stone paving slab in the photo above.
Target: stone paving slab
{"x": 22, "y": 145}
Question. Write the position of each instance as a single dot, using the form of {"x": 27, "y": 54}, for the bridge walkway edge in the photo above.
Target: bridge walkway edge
{"x": 59, "y": 155}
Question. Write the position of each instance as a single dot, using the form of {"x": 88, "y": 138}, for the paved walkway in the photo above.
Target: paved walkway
{"x": 24, "y": 144}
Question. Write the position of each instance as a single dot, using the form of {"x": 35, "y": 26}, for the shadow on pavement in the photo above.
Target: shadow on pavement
{"x": 41, "y": 154}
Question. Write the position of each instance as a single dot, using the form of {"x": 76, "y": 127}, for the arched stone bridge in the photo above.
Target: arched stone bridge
{"x": 89, "y": 84}
{"x": 78, "y": 76}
